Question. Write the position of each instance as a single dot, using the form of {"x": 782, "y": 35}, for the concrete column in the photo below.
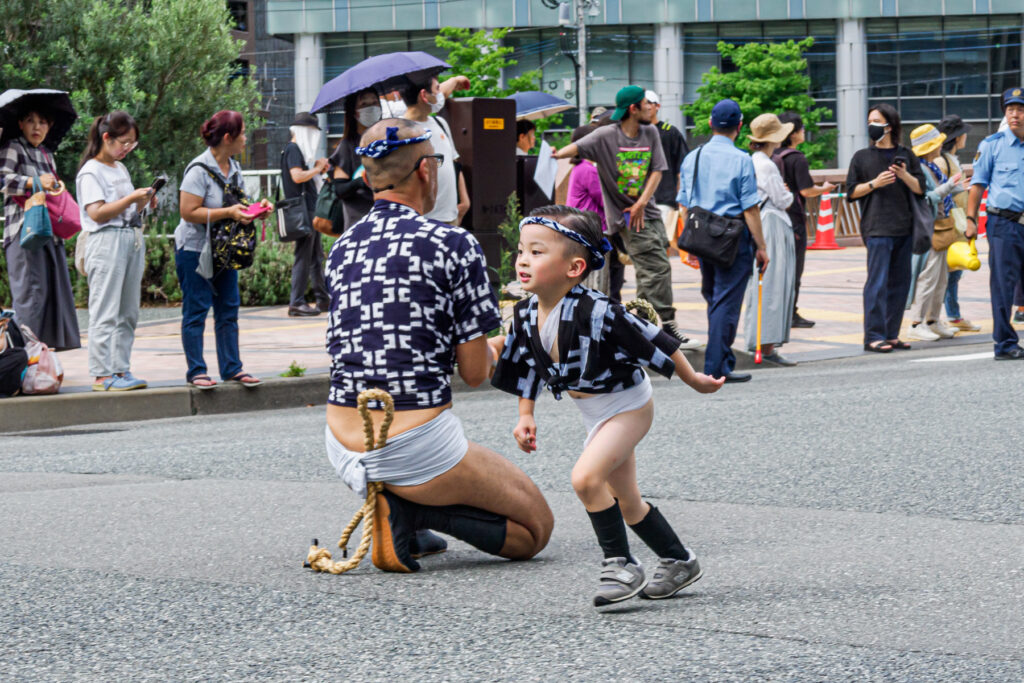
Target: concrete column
{"x": 668, "y": 72}
{"x": 851, "y": 83}
{"x": 309, "y": 76}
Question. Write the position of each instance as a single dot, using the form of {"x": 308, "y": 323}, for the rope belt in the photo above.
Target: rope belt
{"x": 319, "y": 559}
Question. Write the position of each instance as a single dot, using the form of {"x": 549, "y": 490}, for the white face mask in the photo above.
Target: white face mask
{"x": 395, "y": 109}
{"x": 438, "y": 104}
{"x": 368, "y": 116}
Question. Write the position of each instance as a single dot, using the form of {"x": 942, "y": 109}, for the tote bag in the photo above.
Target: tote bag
{"x": 36, "y": 230}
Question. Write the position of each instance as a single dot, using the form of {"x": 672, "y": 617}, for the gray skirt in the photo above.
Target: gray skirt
{"x": 779, "y": 292}
{"x": 41, "y": 290}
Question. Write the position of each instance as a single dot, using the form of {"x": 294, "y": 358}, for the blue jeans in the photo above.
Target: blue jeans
{"x": 886, "y": 288}
{"x": 723, "y": 290}
{"x": 953, "y": 295}
{"x": 197, "y": 297}
{"x": 1005, "y": 264}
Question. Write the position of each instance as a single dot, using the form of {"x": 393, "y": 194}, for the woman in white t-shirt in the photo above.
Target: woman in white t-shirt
{"x": 115, "y": 253}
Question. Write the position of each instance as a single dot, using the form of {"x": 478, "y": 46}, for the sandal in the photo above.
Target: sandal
{"x": 878, "y": 347}
{"x": 209, "y": 383}
{"x": 899, "y": 345}
{"x": 246, "y": 380}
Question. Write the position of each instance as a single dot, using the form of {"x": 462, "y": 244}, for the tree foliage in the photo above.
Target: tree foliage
{"x": 480, "y": 56}
{"x": 171, "y": 64}
{"x": 769, "y": 77}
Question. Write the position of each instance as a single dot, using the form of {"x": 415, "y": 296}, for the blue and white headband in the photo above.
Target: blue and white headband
{"x": 597, "y": 252}
{"x": 382, "y": 148}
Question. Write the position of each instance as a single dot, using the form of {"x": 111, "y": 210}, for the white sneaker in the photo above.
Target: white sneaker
{"x": 922, "y": 332}
{"x": 964, "y": 324}
{"x": 940, "y": 328}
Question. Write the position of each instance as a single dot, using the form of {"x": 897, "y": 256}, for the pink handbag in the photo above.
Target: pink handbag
{"x": 63, "y": 209}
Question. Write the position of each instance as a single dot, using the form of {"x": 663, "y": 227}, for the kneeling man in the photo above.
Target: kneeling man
{"x": 410, "y": 296}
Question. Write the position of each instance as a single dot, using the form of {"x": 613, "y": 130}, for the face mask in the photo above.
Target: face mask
{"x": 438, "y": 104}
{"x": 368, "y": 115}
{"x": 876, "y": 131}
{"x": 394, "y": 109}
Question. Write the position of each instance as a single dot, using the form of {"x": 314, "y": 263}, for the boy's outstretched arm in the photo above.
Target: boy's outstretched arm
{"x": 526, "y": 431}
{"x": 698, "y": 381}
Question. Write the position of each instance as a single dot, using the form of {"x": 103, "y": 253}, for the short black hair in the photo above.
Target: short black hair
{"x": 586, "y": 223}
{"x": 523, "y": 127}
{"x": 410, "y": 91}
{"x": 725, "y": 130}
{"x": 798, "y": 125}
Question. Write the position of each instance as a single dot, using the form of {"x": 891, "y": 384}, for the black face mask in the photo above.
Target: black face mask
{"x": 876, "y": 131}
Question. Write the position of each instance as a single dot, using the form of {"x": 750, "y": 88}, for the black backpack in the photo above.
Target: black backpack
{"x": 13, "y": 359}
{"x": 233, "y": 244}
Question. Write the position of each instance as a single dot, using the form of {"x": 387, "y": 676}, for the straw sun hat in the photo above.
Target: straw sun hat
{"x": 768, "y": 128}
{"x": 925, "y": 139}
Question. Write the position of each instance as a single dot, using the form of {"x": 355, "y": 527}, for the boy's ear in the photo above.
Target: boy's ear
{"x": 577, "y": 266}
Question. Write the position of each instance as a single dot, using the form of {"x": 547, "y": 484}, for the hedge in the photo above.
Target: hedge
{"x": 266, "y": 283}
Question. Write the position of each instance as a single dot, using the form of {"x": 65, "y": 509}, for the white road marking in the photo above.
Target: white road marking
{"x": 962, "y": 356}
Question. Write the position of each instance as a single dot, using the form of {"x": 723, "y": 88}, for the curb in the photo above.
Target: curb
{"x": 28, "y": 413}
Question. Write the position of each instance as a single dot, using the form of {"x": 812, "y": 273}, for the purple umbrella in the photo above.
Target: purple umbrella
{"x": 536, "y": 105}
{"x": 383, "y": 73}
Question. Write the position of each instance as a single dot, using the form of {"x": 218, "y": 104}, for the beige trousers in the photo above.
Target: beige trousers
{"x": 931, "y": 288}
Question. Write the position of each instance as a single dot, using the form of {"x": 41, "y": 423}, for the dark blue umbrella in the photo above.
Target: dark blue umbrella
{"x": 382, "y": 73}
{"x": 536, "y": 105}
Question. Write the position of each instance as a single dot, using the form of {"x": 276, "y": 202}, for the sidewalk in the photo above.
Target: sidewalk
{"x": 271, "y": 341}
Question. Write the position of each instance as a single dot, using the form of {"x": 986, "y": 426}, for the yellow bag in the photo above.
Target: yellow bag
{"x": 963, "y": 256}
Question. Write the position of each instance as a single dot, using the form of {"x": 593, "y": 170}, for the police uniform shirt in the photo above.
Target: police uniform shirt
{"x": 999, "y": 166}
{"x": 405, "y": 291}
{"x": 602, "y": 348}
{"x": 727, "y": 185}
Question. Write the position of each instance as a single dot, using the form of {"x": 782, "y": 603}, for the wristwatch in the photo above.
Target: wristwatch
{"x": 871, "y": 185}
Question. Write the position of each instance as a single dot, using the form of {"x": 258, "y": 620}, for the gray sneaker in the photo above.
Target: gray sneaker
{"x": 672, "y": 576}
{"x": 620, "y": 580}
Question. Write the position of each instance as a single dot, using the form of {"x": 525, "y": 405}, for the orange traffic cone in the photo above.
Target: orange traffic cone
{"x": 825, "y": 238}
{"x": 983, "y": 214}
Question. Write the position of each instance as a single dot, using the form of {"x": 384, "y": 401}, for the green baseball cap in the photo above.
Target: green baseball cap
{"x": 631, "y": 94}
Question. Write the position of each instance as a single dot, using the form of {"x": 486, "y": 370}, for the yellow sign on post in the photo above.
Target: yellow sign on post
{"x": 494, "y": 124}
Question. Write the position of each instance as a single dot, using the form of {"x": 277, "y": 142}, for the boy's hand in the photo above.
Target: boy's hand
{"x": 705, "y": 384}
{"x": 526, "y": 434}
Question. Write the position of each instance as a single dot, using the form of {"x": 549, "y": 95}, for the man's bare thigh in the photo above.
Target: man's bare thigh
{"x": 482, "y": 479}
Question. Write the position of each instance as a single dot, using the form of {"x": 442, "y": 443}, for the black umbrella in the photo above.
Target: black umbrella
{"x": 56, "y": 103}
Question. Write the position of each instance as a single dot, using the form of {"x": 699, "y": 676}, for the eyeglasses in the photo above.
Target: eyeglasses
{"x": 440, "y": 162}
{"x": 127, "y": 145}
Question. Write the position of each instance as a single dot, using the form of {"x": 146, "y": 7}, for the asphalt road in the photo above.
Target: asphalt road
{"x": 857, "y": 520}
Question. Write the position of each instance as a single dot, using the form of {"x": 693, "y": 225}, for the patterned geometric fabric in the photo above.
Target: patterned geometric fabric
{"x": 601, "y": 348}
{"x": 405, "y": 291}
{"x": 19, "y": 161}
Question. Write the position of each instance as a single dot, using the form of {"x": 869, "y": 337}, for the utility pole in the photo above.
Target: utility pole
{"x": 575, "y": 13}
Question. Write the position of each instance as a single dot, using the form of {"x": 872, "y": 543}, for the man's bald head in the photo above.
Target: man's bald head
{"x": 394, "y": 168}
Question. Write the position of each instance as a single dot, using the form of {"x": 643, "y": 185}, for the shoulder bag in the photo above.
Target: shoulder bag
{"x": 707, "y": 235}
{"x": 65, "y": 220}
{"x": 36, "y": 229}
{"x": 232, "y": 243}
{"x": 293, "y": 219}
{"x": 329, "y": 217}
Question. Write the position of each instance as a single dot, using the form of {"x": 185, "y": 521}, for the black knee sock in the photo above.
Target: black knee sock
{"x": 481, "y": 529}
{"x": 611, "y": 532}
{"x": 655, "y": 531}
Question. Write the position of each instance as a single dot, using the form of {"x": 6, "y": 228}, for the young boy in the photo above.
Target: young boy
{"x": 575, "y": 340}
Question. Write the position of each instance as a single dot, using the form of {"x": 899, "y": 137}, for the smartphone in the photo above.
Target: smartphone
{"x": 900, "y": 160}
{"x": 157, "y": 184}
{"x": 625, "y": 217}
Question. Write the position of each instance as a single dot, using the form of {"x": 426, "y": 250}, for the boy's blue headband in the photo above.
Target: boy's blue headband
{"x": 382, "y": 148}
{"x": 597, "y": 252}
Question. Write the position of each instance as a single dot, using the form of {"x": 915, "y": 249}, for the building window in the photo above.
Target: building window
{"x": 239, "y": 11}
{"x": 930, "y": 67}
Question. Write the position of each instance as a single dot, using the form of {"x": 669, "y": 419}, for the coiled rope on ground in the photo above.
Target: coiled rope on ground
{"x": 319, "y": 559}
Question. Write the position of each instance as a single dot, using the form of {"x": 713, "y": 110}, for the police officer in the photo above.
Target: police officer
{"x": 726, "y": 186}
{"x": 999, "y": 166}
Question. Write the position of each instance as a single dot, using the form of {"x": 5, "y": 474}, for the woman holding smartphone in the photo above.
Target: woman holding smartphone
{"x": 883, "y": 177}
{"x": 115, "y": 253}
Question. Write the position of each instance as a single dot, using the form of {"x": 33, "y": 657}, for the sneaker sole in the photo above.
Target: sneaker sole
{"x": 383, "y": 553}
{"x": 419, "y": 556}
{"x": 692, "y": 581}
{"x": 601, "y": 601}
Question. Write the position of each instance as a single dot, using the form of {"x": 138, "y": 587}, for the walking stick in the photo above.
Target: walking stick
{"x": 760, "y": 288}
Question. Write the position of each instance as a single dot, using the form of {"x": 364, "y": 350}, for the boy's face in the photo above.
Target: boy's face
{"x": 542, "y": 264}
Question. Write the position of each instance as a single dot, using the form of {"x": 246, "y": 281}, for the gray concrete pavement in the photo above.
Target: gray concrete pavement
{"x": 857, "y": 520}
